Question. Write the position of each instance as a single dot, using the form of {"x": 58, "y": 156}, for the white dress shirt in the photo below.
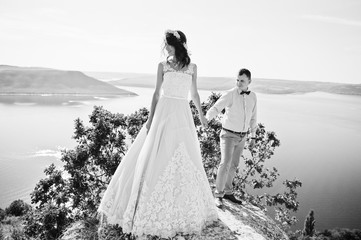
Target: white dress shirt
{"x": 241, "y": 111}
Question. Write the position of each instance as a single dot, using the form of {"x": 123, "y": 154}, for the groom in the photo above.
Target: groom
{"x": 239, "y": 119}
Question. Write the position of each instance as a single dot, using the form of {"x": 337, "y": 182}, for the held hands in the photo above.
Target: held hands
{"x": 204, "y": 121}
{"x": 252, "y": 143}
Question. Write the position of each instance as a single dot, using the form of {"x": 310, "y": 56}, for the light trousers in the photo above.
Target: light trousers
{"x": 231, "y": 149}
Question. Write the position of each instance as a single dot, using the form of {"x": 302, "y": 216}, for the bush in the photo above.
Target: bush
{"x": 47, "y": 222}
{"x": 82, "y": 229}
{"x": 88, "y": 167}
{"x": 18, "y": 208}
{"x": 17, "y": 233}
{"x": 340, "y": 234}
{"x": 2, "y": 234}
{"x": 11, "y": 220}
{"x": 309, "y": 232}
{"x": 2, "y": 214}
{"x": 74, "y": 192}
{"x": 309, "y": 226}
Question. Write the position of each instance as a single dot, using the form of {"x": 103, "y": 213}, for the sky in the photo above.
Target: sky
{"x": 308, "y": 40}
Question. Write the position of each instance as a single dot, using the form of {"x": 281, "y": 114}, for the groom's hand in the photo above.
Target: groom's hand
{"x": 252, "y": 143}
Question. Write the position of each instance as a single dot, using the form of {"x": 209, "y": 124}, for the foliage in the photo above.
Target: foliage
{"x": 76, "y": 189}
{"x": 254, "y": 175}
{"x": 309, "y": 227}
{"x": 18, "y": 208}
{"x": 113, "y": 232}
{"x": 340, "y": 234}
{"x": 82, "y": 229}
{"x": 11, "y": 220}
{"x": 333, "y": 234}
{"x": 309, "y": 232}
{"x": 87, "y": 168}
{"x": 12, "y": 227}
{"x": 135, "y": 121}
{"x": 2, "y": 214}
{"x": 2, "y": 234}
{"x": 17, "y": 233}
{"x": 47, "y": 222}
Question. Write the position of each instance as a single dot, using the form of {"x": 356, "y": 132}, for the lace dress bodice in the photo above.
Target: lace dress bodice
{"x": 176, "y": 84}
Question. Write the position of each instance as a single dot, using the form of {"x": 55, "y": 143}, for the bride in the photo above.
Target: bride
{"x": 160, "y": 187}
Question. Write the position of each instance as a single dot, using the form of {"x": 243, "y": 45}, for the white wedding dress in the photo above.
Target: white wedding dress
{"x": 160, "y": 187}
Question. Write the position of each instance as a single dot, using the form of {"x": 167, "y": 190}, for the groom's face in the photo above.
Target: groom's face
{"x": 243, "y": 81}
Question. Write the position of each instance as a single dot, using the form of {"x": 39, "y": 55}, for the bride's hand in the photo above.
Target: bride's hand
{"x": 204, "y": 122}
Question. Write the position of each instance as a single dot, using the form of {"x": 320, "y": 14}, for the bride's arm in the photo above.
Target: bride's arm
{"x": 195, "y": 97}
{"x": 156, "y": 95}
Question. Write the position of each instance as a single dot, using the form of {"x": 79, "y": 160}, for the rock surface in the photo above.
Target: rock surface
{"x": 242, "y": 222}
{"x": 246, "y": 222}
{"x": 238, "y": 222}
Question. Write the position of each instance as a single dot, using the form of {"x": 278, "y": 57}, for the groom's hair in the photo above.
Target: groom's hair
{"x": 246, "y": 72}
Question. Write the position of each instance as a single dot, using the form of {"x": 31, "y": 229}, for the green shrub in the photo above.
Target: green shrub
{"x": 47, "y": 222}
{"x": 309, "y": 227}
{"x": 2, "y": 214}
{"x": 2, "y": 234}
{"x": 18, "y": 208}
{"x": 12, "y": 220}
{"x": 309, "y": 232}
{"x": 74, "y": 191}
{"x": 17, "y": 233}
{"x": 340, "y": 234}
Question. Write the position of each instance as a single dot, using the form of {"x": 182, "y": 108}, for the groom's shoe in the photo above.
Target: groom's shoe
{"x": 232, "y": 198}
{"x": 219, "y": 202}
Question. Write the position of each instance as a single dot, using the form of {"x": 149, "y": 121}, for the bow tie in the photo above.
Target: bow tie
{"x": 245, "y": 92}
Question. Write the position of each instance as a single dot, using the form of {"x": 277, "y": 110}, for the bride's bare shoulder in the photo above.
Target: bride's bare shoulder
{"x": 192, "y": 67}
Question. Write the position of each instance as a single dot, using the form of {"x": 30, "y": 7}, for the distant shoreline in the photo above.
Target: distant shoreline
{"x": 20, "y": 81}
{"x": 255, "y": 88}
{"x": 259, "y": 85}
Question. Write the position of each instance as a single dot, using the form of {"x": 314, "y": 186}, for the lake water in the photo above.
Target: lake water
{"x": 320, "y": 145}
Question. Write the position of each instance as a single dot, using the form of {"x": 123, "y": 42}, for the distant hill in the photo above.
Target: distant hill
{"x": 262, "y": 85}
{"x": 30, "y": 80}
{"x": 275, "y": 86}
{"x": 37, "y": 80}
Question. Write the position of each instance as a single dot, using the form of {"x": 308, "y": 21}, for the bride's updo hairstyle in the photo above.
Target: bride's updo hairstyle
{"x": 178, "y": 40}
